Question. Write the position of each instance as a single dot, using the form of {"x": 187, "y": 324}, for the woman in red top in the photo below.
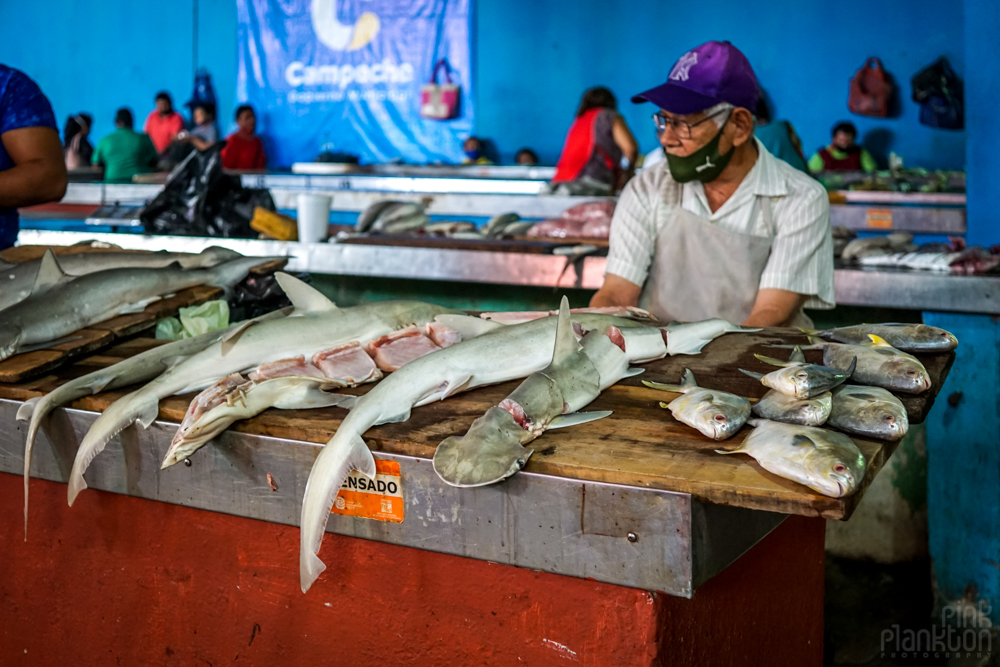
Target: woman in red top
{"x": 244, "y": 150}
{"x": 591, "y": 160}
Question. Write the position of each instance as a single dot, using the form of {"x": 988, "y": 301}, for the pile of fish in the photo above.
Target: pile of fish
{"x": 392, "y": 217}
{"x": 59, "y": 303}
{"x": 786, "y": 439}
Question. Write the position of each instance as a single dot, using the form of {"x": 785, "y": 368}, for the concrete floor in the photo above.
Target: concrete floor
{"x": 865, "y": 599}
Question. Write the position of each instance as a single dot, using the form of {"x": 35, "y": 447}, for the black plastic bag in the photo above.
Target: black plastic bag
{"x": 938, "y": 90}
{"x": 199, "y": 200}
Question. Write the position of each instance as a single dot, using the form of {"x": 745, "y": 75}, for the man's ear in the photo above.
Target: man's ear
{"x": 743, "y": 124}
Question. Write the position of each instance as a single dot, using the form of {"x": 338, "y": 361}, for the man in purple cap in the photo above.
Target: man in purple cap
{"x": 722, "y": 228}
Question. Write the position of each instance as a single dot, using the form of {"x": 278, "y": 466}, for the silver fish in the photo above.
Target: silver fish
{"x": 780, "y": 407}
{"x": 19, "y": 280}
{"x": 94, "y": 297}
{"x": 398, "y": 216}
{"x": 500, "y": 354}
{"x": 494, "y": 447}
{"x": 868, "y": 411}
{"x": 315, "y": 325}
{"x": 799, "y": 378}
{"x": 141, "y": 368}
{"x": 497, "y": 224}
{"x": 367, "y": 217}
{"x": 878, "y": 365}
{"x": 716, "y": 414}
{"x": 826, "y": 461}
{"x": 904, "y": 337}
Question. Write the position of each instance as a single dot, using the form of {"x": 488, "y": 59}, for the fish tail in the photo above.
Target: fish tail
{"x": 770, "y": 360}
{"x": 344, "y": 453}
{"x": 28, "y": 411}
{"x": 675, "y": 388}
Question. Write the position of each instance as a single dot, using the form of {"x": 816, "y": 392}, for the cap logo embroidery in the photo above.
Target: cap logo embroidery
{"x": 683, "y": 66}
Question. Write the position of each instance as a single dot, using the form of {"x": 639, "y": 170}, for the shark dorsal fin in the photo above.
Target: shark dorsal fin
{"x": 566, "y": 343}
{"x": 798, "y": 355}
{"x": 877, "y": 341}
{"x": 305, "y": 298}
{"x": 688, "y": 379}
{"x": 49, "y": 272}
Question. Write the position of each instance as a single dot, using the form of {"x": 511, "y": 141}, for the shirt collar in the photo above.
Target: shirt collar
{"x": 770, "y": 182}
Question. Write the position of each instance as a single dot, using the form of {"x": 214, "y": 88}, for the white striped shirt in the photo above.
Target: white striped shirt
{"x": 801, "y": 259}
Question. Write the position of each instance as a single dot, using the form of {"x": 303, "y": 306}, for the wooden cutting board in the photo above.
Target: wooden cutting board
{"x": 641, "y": 444}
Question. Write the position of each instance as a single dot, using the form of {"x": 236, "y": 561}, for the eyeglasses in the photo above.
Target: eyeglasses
{"x": 680, "y": 127}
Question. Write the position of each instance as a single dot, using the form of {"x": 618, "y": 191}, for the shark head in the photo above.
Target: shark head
{"x": 490, "y": 452}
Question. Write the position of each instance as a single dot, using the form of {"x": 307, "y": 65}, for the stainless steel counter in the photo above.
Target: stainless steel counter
{"x": 895, "y": 289}
{"x": 630, "y": 536}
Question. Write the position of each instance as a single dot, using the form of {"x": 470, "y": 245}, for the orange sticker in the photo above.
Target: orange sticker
{"x": 879, "y": 218}
{"x": 380, "y": 498}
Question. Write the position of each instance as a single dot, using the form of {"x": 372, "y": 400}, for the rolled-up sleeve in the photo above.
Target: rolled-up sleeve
{"x": 801, "y": 258}
{"x": 633, "y": 231}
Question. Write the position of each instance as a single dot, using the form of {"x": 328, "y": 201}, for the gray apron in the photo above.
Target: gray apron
{"x": 701, "y": 271}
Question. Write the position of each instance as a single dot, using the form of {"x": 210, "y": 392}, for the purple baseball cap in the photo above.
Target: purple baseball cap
{"x": 703, "y": 77}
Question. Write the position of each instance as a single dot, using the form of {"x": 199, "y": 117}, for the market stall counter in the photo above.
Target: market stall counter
{"x": 566, "y": 560}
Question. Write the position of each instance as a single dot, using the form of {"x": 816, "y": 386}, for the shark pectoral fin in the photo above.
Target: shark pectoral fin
{"x": 170, "y": 362}
{"x": 98, "y": 385}
{"x": 138, "y": 306}
{"x": 232, "y": 337}
{"x": 306, "y": 299}
{"x": 632, "y": 372}
{"x": 772, "y": 361}
{"x": 576, "y": 418}
{"x": 755, "y": 376}
{"x": 674, "y": 388}
{"x": 148, "y": 413}
{"x": 394, "y": 419}
{"x": 49, "y": 272}
{"x": 316, "y": 398}
{"x": 27, "y": 408}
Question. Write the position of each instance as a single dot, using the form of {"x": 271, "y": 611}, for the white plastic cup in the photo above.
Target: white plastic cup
{"x": 314, "y": 217}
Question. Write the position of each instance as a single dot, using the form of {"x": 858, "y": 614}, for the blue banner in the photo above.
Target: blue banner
{"x": 346, "y": 76}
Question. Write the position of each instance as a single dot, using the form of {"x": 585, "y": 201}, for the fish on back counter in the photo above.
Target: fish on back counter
{"x": 904, "y": 337}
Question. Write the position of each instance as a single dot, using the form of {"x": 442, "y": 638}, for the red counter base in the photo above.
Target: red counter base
{"x": 122, "y": 581}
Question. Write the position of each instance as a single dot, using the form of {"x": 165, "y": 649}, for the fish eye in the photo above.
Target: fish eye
{"x": 802, "y": 376}
{"x": 911, "y": 372}
{"x": 887, "y": 418}
{"x": 840, "y": 467}
{"x": 720, "y": 418}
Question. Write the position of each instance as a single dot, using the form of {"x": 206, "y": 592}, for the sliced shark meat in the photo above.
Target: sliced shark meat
{"x": 292, "y": 366}
{"x": 442, "y": 335}
{"x": 349, "y": 363}
{"x": 395, "y": 350}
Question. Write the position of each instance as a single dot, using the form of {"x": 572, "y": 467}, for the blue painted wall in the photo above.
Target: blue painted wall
{"x": 96, "y": 57}
{"x": 534, "y": 59}
{"x": 982, "y": 93}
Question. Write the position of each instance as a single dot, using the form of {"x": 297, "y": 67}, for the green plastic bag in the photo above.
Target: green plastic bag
{"x": 194, "y": 321}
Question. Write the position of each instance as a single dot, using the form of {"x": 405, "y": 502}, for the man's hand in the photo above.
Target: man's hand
{"x": 774, "y": 308}
{"x": 616, "y": 291}
{"x": 39, "y": 171}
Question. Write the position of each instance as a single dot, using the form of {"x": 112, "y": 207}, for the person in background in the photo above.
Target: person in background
{"x": 163, "y": 124}
{"x": 204, "y": 133}
{"x": 244, "y": 150}
{"x": 526, "y": 158}
{"x": 721, "y": 228}
{"x": 778, "y": 137}
{"x": 842, "y": 154}
{"x": 32, "y": 169}
{"x": 473, "y": 148}
{"x": 597, "y": 142}
{"x": 76, "y": 149}
{"x": 125, "y": 152}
